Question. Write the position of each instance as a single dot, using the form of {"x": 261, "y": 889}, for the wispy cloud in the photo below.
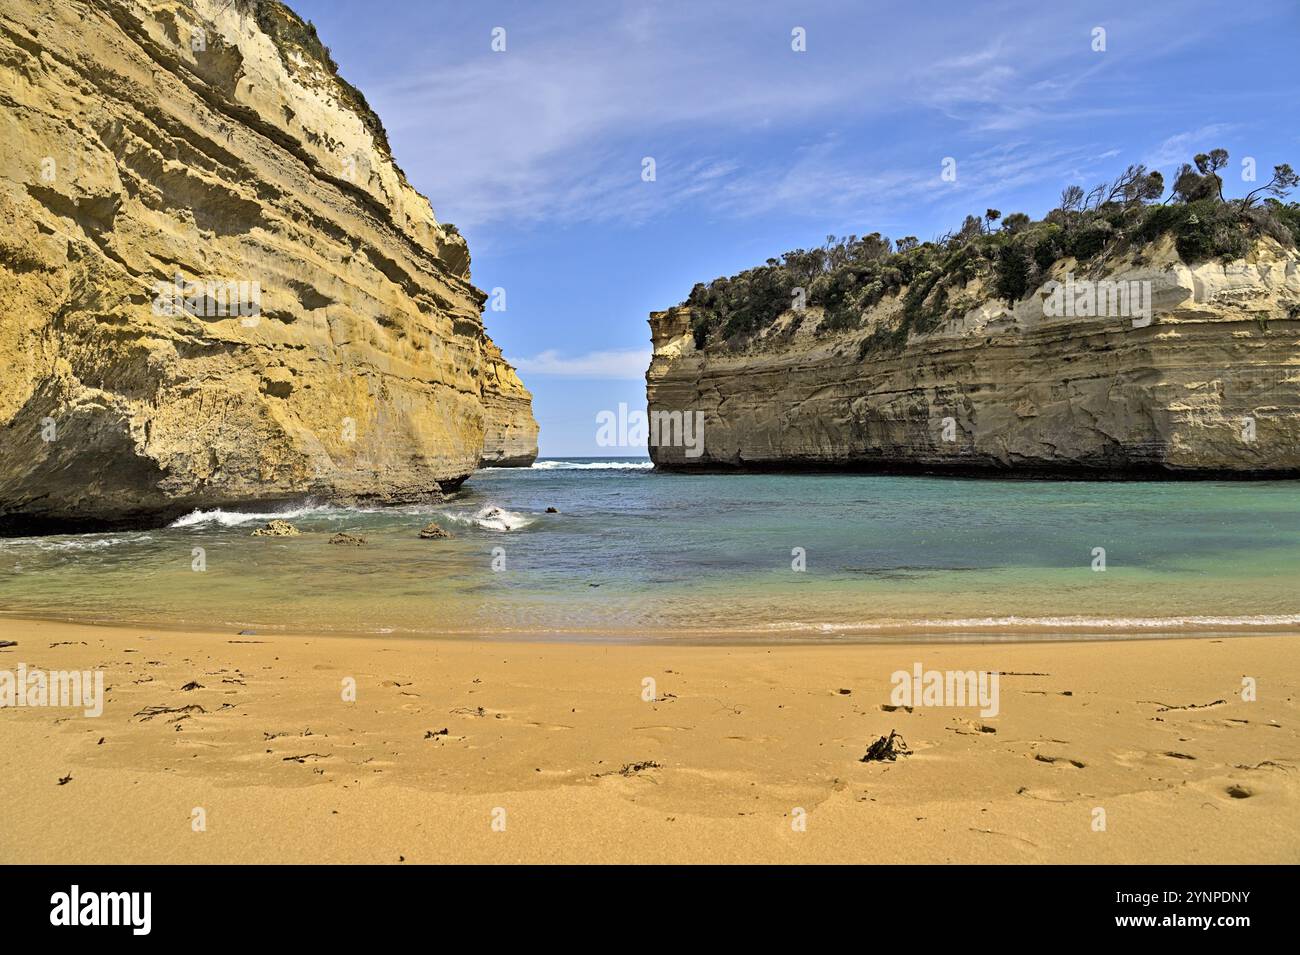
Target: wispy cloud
{"x": 626, "y": 364}
{"x": 1180, "y": 148}
{"x": 553, "y": 131}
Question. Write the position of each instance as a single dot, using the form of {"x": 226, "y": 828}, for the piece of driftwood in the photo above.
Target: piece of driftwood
{"x": 886, "y": 748}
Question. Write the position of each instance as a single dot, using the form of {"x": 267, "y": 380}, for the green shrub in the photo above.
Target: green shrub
{"x": 1014, "y": 268}
{"x": 1085, "y": 242}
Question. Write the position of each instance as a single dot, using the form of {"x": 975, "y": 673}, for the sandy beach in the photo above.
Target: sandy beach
{"x": 223, "y": 748}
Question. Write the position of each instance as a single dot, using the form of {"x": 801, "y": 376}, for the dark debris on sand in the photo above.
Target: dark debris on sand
{"x": 886, "y": 749}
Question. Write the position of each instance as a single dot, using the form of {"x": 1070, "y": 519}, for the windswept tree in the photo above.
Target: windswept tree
{"x": 1190, "y": 186}
{"x": 991, "y": 216}
{"x": 1135, "y": 184}
{"x": 871, "y": 248}
{"x": 1209, "y": 164}
{"x": 907, "y": 243}
{"x": 1071, "y": 199}
{"x": 1016, "y": 222}
{"x": 971, "y": 227}
{"x": 1151, "y": 188}
{"x": 1283, "y": 181}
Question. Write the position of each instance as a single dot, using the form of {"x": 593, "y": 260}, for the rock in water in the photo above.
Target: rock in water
{"x": 348, "y": 539}
{"x": 432, "y": 531}
{"x": 218, "y": 286}
{"x": 276, "y": 529}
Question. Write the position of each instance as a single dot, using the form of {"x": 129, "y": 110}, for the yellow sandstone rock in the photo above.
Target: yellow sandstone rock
{"x": 511, "y": 439}
{"x": 1208, "y": 383}
{"x": 218, "y": 286}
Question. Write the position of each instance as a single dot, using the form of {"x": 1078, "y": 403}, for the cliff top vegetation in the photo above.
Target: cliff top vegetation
{"x": 1014, "y": 253}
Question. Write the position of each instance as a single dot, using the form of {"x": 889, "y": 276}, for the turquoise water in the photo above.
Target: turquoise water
{"x": 637, "y": 554}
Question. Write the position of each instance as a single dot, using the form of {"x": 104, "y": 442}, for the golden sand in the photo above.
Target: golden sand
{"x": 479, "y": 751}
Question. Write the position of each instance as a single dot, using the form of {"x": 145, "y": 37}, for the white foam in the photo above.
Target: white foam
{"x": 1071, "y": 623}
{"x": 493, "y": 518}
{"x": 490, "y": 517}
{"x": 589, "y": 466}
{"x": 88, "y": 542}
{"x": 235, "y": 518}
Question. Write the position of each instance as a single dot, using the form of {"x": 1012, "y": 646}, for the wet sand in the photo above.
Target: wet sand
{"x": 482, "y": 751}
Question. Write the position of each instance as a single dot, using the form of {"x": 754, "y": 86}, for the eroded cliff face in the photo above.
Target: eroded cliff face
{"x": 326, "y": 340}
{"x": 1211, "y": 386}
{"x": 511, "y": 438}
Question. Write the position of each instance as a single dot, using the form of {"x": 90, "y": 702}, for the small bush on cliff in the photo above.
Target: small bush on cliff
{"x": 846, "y": 277}
{"x": 294, "y": 37}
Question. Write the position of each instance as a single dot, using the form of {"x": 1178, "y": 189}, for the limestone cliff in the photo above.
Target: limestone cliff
{"x": 1210, "y": 386}
{"x": 511, "y": 438}
{"x": 219, "y": 288}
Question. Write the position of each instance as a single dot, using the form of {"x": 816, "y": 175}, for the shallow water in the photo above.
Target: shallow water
{"x": 638, "y": 554}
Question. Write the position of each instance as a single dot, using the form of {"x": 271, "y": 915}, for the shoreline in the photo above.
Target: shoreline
{"x": 993, "y": 633}
{"x": 735, "y": 739}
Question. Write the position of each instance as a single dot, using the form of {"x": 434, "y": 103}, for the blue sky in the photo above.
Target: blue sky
{"x": 536, "y": 153}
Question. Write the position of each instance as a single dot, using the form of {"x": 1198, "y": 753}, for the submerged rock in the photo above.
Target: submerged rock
{"x": 552, "y": 510}
{"x": 345, "y": 538}
{"x": 432, "y": 531}
{"x": 276, "y": 528}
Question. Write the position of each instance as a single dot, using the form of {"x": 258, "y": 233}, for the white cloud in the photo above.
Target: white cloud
{"x": 555, "y": 129}
{"x": 628, "y": 364}
{"x": 1179, "y": 149}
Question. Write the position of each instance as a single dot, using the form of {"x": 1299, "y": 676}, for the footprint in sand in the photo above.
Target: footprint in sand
{"x": 970, "y": 728}
{"x": 661, "y": 726}
{"x": 1044, "y": 795}
{"x": 1059, "y": 760}
{"x": 479, "y": 712}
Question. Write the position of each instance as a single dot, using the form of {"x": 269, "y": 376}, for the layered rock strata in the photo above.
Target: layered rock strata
{"x": 510, "y": 440}
{"x": 1208, "y": 384}
{"x": 219, "y": 288}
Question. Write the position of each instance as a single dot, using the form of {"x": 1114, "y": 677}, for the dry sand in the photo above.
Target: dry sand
{"x": 559, "y": 737}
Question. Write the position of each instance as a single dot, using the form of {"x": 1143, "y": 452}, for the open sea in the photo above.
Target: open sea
{"x": 639, "y": 555}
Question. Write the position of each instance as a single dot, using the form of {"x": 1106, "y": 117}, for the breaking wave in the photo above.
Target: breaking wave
{"x": 592, "y": 465}
{"x": 235, "y": 518}
{"x": 489, "y": 518}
